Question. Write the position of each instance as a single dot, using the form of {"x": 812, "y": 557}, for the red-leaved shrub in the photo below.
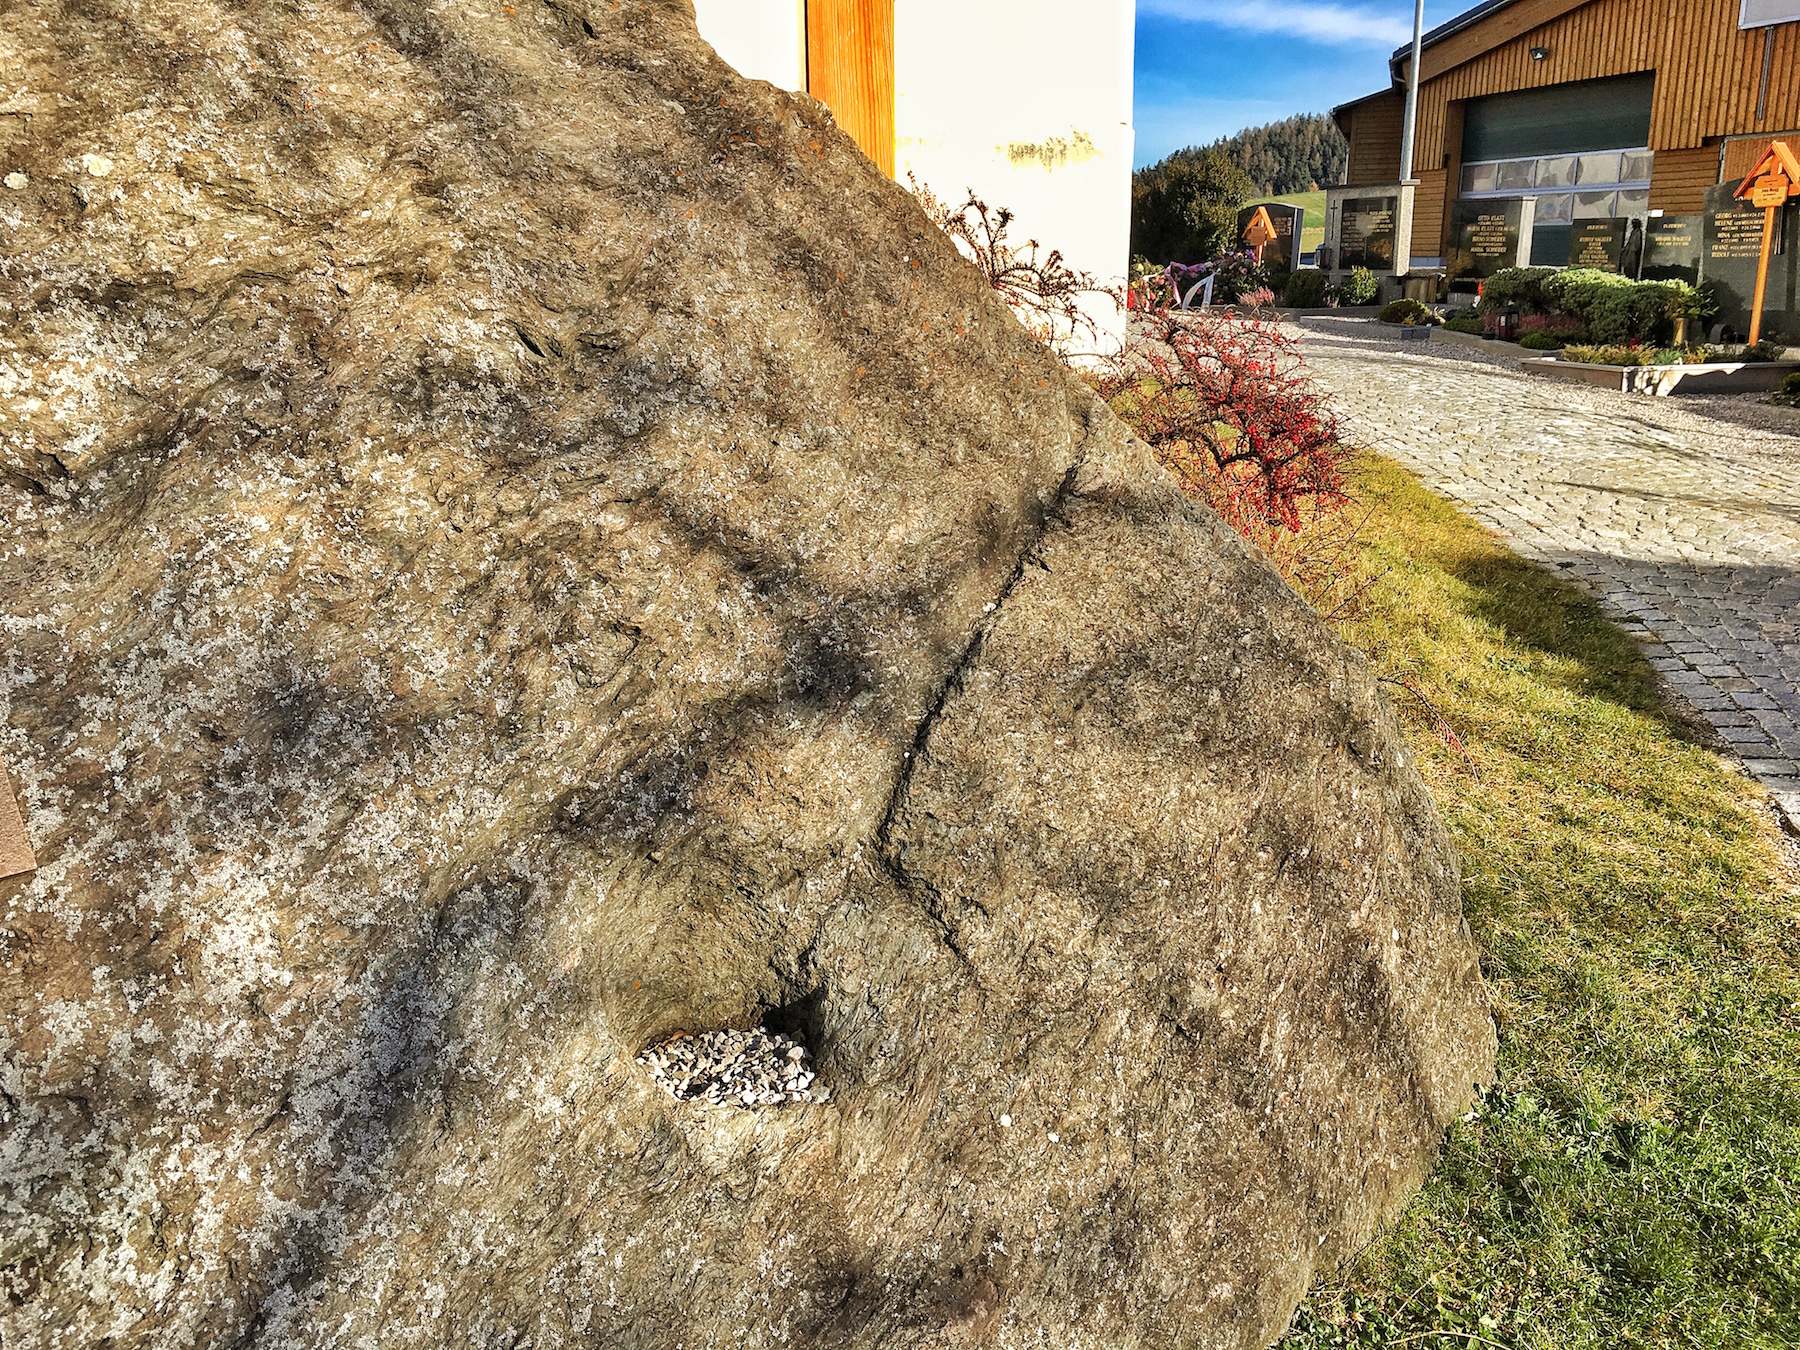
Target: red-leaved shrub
{"x": 1560, "y": 325}
{"x": 1226, "y": 405}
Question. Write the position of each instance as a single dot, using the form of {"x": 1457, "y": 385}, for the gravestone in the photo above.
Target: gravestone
{"x": 1672, "y": 249}
{"x": 1733, "y": 235}
{"x": 1484, "y": 237}
{"x": 1366, "y": 233}
{"x": 1596, "y": 244}
{"x": 1289, "y": 221}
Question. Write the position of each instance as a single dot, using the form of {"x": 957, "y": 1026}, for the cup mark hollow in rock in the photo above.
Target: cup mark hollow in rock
{"x": 749, "y": 1068}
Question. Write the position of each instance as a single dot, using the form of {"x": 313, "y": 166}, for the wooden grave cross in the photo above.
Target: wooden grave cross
{"x": 1260, "y": 232}
{"x": 1775, "y": 178}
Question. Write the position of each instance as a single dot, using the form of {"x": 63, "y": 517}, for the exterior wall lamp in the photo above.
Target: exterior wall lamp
{"x": 1540, "y": 53}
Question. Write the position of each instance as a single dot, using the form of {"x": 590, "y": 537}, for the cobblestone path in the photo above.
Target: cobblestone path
{"x": 1682, "y": 514}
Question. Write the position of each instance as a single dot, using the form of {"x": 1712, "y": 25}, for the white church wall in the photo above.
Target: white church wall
{"x": 763, "y": 39}
{"x": 1025, "y": 102}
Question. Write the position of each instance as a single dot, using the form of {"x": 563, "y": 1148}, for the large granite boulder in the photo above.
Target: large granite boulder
{"x": 519, "y": 544}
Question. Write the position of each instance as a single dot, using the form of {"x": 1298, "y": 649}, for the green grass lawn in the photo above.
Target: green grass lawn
{"x": 1634, "y": 1180}
{"x": 1313, "y": 231}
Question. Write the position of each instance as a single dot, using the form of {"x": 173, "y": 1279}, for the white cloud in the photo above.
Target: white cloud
{"x": 1314, "y": 20}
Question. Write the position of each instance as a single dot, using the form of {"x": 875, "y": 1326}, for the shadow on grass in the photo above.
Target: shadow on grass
{"x": 1630, "y": 1181}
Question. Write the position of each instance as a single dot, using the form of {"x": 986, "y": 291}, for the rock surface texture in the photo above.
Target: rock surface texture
{"x": 519, "y": 545}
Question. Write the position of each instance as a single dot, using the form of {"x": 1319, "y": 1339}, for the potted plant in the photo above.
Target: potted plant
{"x": 1687, "y": 303}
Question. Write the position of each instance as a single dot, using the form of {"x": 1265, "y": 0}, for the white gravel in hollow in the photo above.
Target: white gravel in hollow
{"x": 735, "y": 1068}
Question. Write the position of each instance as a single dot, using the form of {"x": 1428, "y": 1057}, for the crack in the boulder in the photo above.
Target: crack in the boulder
{"x": 887, "y": 855}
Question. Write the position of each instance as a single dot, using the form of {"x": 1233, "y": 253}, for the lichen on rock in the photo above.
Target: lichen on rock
{"x": 519, "y": 544}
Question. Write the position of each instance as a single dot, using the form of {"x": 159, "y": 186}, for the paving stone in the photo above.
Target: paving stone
{"x": 1744, "y": 737}
{"x": 1677, "y": 514}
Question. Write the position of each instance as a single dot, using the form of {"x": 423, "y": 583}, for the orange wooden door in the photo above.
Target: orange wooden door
{"x": 850, "y": 69}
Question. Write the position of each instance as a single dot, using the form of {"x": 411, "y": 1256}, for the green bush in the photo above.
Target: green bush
{"x": 1405, "y": 310}
{"x": 1541, "y": 342}
{"x": 1359, "y": 288}
{"x": 1790, "y": 391}
{"x": 1185, "y": 209}
{"x": 1520, "y": 286}
{"x": 1305, "y": 289}
{"x": 1466, "y": 323}
{"x": 1614, "y": 309}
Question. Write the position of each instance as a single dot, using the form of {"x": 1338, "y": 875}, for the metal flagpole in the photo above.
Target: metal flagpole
{"x": 1412, "y": 93}
{"x": 1403, "y": 266}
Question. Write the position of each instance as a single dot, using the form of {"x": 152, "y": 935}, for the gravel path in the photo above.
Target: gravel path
{"x": 1682, "y": 514}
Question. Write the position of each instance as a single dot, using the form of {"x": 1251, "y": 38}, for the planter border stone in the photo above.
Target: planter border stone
{"x": 1329, "y": 311}
{"x": 1713, "y": 377}
{"x": 1473, "y": 340}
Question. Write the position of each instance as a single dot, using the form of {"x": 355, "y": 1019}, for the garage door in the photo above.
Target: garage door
{"x": 1564, "y": 119}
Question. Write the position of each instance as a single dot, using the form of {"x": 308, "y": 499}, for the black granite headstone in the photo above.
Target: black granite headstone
{"x": 1672, "y": 249}
{"x": 1366, "y": 233}
{"x": 1289, "y": 221}
{"x": 1733, "y": 245}
{"x": 1597, "y": 243}
{"x": 1484, "y": 237}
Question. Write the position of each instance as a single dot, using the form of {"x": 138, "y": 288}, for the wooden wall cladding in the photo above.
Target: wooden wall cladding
{"x": 1707, "y": 72}
{"x": 850, "y": 69}
{"x": 1744, "y": 153}
{"x": 1429, "y": 232}
{"x": 1375, "y": 140}
{"x": 1679, "y": 180}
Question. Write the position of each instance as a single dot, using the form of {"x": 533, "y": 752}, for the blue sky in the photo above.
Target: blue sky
{"x": 1207, "y": 68}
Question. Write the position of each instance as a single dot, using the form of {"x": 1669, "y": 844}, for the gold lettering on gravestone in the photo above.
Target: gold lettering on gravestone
{"x": 1595, "y": 251}
{"x": 1672, "y": 233}
{"x": 16, "y": 856}
{"x": 1487, "y": 237}
{"x": 1739, "y": 236}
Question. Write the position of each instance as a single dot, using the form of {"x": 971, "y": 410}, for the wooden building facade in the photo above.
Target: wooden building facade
{"x": 1715, "y": 82}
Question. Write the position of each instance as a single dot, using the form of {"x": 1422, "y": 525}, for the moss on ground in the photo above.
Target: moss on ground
{"x": 1634, "y": 1180}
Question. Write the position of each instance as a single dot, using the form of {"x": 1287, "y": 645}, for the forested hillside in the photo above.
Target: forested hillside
{"x": 1295, "y": 155}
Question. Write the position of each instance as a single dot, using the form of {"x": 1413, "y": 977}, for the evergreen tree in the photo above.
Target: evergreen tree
{"x": 1185, "y": 209}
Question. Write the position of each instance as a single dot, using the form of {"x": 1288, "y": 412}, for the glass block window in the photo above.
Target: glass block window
{"x": 1598, "y": 169}
{"x": 1480, "y": 178}
{"x": 1595, "y": 205}
{"x": 1600, "y": 185}
{"x": 1556, "y": 172}
{"x": 1556, "y": 208}
{"x": 1517, "y": 173}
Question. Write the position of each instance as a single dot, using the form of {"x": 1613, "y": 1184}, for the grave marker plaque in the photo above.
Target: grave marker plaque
{"x": 1672, "y": 249}
{"x": 1597, "y": 243}
{"x": 1731, "y": 249}
{"x": 1484, "y": 237}
{"x": 1284, "y": 250}
{"x": 1366, "y": 233}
